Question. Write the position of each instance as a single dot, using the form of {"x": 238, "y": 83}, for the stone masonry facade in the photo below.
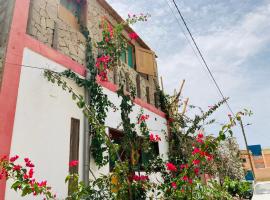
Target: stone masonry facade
{"x": 45, "y": 25}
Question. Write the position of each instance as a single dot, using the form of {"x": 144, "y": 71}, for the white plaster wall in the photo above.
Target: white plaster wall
{"x": 42, "y": 125}
{"x": 156, "y": 124}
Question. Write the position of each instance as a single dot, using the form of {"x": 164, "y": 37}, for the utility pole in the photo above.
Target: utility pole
{"x": 249, "y": 156}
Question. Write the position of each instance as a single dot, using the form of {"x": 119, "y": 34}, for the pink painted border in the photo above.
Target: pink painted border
{"x": 18, "y": 40}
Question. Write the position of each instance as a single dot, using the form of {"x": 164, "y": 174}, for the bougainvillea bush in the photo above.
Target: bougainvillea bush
{"x": 22, "y": 177}
{"x": 180, "y": 174}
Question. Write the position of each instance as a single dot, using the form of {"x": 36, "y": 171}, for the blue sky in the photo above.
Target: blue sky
{"x": 234, "y": 36}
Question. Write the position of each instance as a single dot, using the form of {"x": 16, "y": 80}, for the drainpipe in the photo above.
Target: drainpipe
{"x": 86, "y": 152}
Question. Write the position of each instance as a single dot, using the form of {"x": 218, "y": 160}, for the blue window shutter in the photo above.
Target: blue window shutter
{"x": 130, "y": 56}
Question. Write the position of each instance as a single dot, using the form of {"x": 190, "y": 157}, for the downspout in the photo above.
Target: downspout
{"x": 86, "y": 151}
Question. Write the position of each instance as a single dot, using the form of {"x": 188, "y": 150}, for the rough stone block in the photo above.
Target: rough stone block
{"x": 50, "y": 23}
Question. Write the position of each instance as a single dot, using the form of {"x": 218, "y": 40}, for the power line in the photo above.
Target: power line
{"x": 200, "y": 54}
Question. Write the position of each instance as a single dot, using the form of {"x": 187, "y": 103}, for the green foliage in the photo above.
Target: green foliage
{"x": 237, "y": 188}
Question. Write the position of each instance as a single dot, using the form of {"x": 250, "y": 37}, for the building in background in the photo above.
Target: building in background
{"x": 260, "y": 159}
{"x": 38, "y": 119}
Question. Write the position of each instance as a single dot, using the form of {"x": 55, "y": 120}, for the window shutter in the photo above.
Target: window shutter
{"x": 130, "y": 56}
{"x": 74, "y": 150}
{"x": 145, "y": 61}
{"x": 74, "y": 143}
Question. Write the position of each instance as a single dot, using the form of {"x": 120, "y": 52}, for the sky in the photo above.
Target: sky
{"x": 234, "y": 37}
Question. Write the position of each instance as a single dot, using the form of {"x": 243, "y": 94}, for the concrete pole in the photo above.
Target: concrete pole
{"x": 249, "y": 156}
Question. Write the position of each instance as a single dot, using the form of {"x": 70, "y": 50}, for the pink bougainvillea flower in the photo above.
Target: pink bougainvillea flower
{"x": 31, "y": 173}
{"x": 209, "y": 157}
{"x": 196, "y": 171}
{"x": 158, "y": 138}
{"x": 73, "y": 163}
{"x": 196, "y": 162}
{"x": 185, "y": 178}
{"x": 199, "y": 140}
{"x": 143, "y": 118}
{"x": 25, "y": 176}
{"x": 171, "y": 167}
{"x": 17, "y": 167}
{"x": 200, "y": 136}
{"x": 29, "y": 164}
{"x": 174, "y": 185}
{"x": 202, "y": 153}
{"x": 14, "y": 158}
{"x": 152, "y": 137}
{"x": 42, "y": 184}
{"x": 140, "y": 178}
{"x": 184, "y": 166}
{"x": 133, "y": 36}
{"x": 195, "y": 151}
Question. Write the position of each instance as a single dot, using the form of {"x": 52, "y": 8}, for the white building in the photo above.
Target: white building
{"x": 35, "y": 115}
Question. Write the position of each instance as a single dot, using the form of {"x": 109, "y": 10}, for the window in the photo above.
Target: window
{"x": 144, "y": 157}
{"x": 138, "y": 86}
{"x": 72, "y": 12}
{"x": 128, "y": 56}
{"x": 156, "y": 96}
{"x": 74, "y": 147}
{"x": 147, "y": 94}
{"x": 127, "y": 81}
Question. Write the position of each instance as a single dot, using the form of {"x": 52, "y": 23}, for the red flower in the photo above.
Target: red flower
{"x": 183, "y": 166}
{"x": 202, "y": 153}
{"x": 25, "y": 176}
{"x": 196, "y": 150}
{"x": 158, "y": 138}
{"x": 199, "y": 140}
{"x": 209, "y": 157}
{"x": 42, "y": 184}
{"x": 133, "y": 36}
{"x": 31, "y": 173}
{"x": 17, "y": 167}
{"x": 200, "y": 136}
{"x": 140, "y": 178}
{"x": 174, "y": 185}
{"x": 14, "y": 158}
{"x": 185, "y": 178}
{"x": 171, "y": 167}
{"x": 190, "y": 181}
{"x": 29, "y": 164}
{"x": 143, "y": 118}
{"x": 73, "y": 163}
{"x": 196, "y": 171}
{"x": 196, "y": 162}
{"x": 154, "y": 138}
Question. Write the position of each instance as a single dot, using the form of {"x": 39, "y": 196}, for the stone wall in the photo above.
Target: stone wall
{"x": 46, "y": 26}
{"x": 6, "y": 10}
{"x": 95, "y": 13}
